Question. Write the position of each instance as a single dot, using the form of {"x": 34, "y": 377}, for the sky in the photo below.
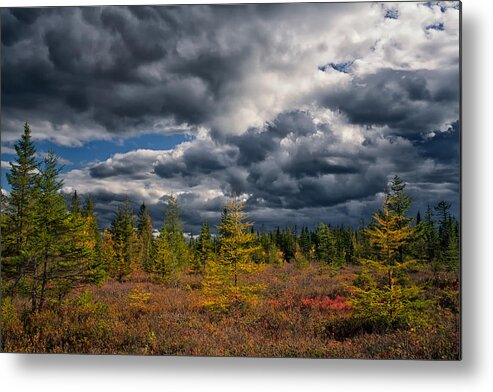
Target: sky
{"x": 305, "y": 111}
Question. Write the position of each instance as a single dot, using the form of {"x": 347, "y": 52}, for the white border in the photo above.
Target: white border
{"x": 117, "y": 373}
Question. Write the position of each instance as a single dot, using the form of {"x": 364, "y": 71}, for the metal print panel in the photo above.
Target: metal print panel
{"x": 274, "y": 180}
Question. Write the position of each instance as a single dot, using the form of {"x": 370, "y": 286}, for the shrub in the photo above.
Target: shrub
{"x": 139, "y": 299}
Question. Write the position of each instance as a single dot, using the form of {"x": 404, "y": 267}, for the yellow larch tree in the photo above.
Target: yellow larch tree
{"x": 223, "y": 285}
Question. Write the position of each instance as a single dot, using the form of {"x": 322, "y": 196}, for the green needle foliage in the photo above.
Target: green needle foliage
{"x": 203, "y": 249}
{"x": 18, "y": 215}
{"x": 223, "y": 286}
{"x": 146, "y": 240}
{"x": 384, "y": 299}
{"x": 124, "y": 241}
{"x": 171, "y": 248}
{"x": 62, "y": 258}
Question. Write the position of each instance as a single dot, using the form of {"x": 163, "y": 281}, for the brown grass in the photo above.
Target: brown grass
{"x": 302, "y": 313}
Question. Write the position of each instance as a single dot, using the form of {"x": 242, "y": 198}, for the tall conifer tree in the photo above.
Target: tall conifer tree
{"x": 171, "y": 248}
{"x": 18, "y": 227}
{"x": 203, "y": 247}
{"x": 62, "y": 257}
{"x": 146, "y": 240}
{"x": 124, "y": 239}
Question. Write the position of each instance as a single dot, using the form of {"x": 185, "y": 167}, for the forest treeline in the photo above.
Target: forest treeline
{"x": 51, "y": 246}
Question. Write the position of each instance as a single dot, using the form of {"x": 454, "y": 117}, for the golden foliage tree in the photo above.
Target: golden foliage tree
{"x": 223, "y": 285}
{"x": 383, "y": 298}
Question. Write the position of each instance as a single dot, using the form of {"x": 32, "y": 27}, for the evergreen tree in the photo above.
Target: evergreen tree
{"x": 452, "y": 252}
{"x": 75, "y": 204}
{"x": 124, "y": 240}
{"x": 62, "y": 258}
{"x": 93, "y": 235}
{"x": 268, "y": 251}
{"x": 427, "y": 235}
{"x": 397, "y": 201}
{"x": 326, "y": 245}
{"x": 203, "y": 248}
{"x": 288, "y": 244}
{"x": 171, "y": 248}
{"x": 18, "y": 227}
{"x": 305, "y": 241}
{"x": 89, "y": 207}
{"x": 146, "y": 240}
{"x": 442, "y": 211}
{"x": 191, "y": 243}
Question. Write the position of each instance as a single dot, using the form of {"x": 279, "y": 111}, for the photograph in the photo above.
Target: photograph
{"x": 274, "y": 180}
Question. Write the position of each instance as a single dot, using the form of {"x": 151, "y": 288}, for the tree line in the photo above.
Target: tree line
{"x": 50, "y": 246}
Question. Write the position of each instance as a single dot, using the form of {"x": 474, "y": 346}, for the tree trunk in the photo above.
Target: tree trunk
{"x": 391, "y": 293}
{"x": 43, "y": 283}
{"x": 35, "y": 286}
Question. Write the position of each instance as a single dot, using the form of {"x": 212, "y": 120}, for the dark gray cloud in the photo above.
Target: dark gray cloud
{"x": 409, "y": 103}
{"x": 443, "y": 147}
{"x": 124, "y": 70}
{"x": 299, "y": 140}
{"x": 134, "y": 165}
{"x": 305, "y": 164}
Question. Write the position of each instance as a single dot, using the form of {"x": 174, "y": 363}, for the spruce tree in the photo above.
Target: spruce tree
{"x": 305, "y": 241}
{"x": 62, "y": 258}
{"x": 397, "y": 201}
{"x": 430, "y": 235}
{"x": 288, "y": 244}
{"x": 18, "y": 227}
{"x": 146, "y": 240}
{"x": 452, "y": 252}
{"x": 442, "y": 211}
{"x": 203, "y": 248}
{"x": 124, "y": 240}
{"x": 75, "y": 207}
{"x": 326, "y": 245}
{"x": 171, "y": 248}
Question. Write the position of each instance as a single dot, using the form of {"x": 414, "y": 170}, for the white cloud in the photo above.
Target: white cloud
{"x": 245, "y": 71}
{"x": 230, "y": 86}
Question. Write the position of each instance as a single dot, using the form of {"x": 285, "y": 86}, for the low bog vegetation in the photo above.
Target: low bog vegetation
{"x": 290, "y": 319}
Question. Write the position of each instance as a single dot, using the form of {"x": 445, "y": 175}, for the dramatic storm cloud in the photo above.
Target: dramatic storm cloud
{"x": 305, "y": 110}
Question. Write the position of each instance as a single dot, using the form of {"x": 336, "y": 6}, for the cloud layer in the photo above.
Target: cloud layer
{"x": 304, "y": 109}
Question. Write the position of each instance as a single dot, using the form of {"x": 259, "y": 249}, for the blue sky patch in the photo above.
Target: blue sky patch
{"x": 344, "y": 67}
{"x": 392, "y": 13}
{"x": 97, "y": 150}
{"x": 444, "y": 5}
{"x": 436, "y": 26}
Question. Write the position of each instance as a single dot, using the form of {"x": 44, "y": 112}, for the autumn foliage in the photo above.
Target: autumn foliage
{"x": 389, "y": 289}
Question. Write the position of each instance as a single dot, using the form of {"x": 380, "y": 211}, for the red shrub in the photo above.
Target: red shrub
{"x": 325, "y": 303}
